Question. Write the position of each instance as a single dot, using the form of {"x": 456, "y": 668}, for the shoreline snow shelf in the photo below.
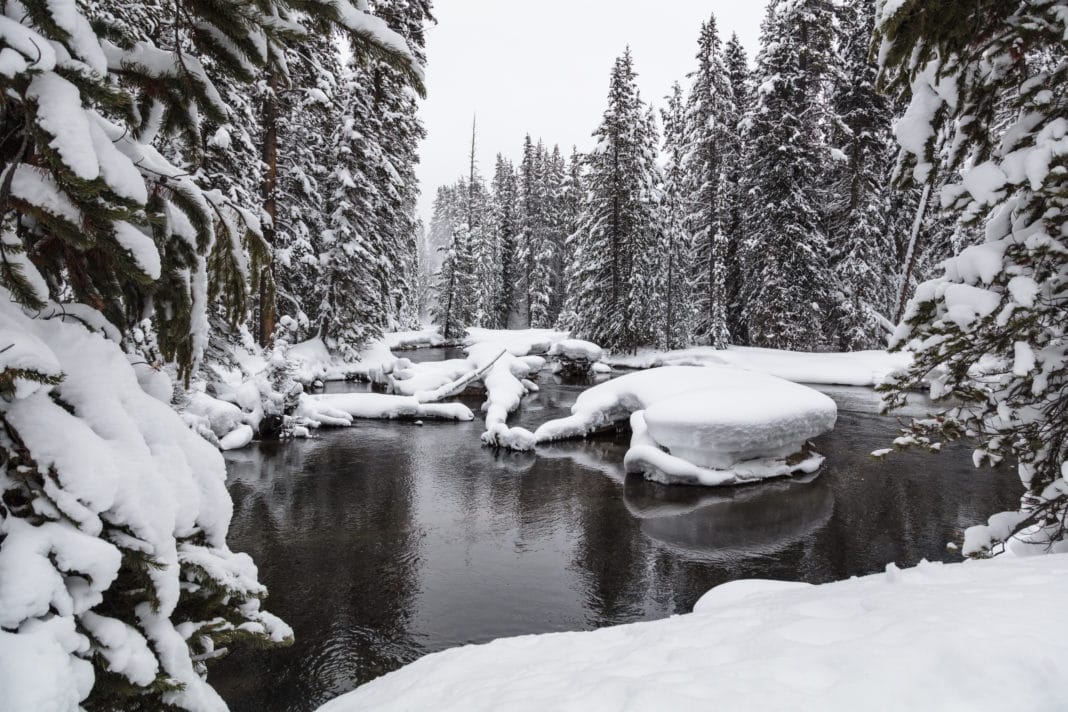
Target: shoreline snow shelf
{"x": 978, "y": 635}
{"x": 704, "y": 425}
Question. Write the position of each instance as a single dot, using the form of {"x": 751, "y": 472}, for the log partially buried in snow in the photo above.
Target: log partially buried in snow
{"x": 712, "y": 425}
{"x": 341, "y": 408}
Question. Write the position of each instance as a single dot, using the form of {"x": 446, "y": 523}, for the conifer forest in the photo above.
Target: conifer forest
{"x": 747, "y": 395}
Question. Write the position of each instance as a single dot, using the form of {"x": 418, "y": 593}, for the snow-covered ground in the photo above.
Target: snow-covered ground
{"x": 707, "y": 425}
{"x": 856, "y": 368}
{"x": 982, "y": 635}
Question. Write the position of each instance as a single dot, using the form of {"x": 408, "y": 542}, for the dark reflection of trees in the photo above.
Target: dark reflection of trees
{"x": 609, "y": 556}
{"x": 330, "y": 526}
{"x": 903, "y": 509}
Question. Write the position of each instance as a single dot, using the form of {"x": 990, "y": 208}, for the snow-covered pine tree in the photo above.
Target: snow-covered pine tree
{"x": 736, "y": 160}
{"x": 574, "y": 194}
{"x": 352, "y": 259}
{"x": 674, "y": 253}
{"x": 534, "y": 234}
{"x": 309, "y": 114}
{"x": 370, "y": 241}
{"x": 542, "y": 243}
{"x": 711, "y": 123}
{"x": 788, "y": 280}
{"x": 557, "y": 221}
{"x": 506, "y": 227}
{"x": 988, "y": 337}
{"x": 609, "y": 301}
{"x": 480, "y": 240}
{"x": 401, "y": 130}
{"x": 458, "y": 305}
{"x": 862, "y": 248}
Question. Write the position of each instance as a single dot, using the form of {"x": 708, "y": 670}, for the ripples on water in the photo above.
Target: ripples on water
{"x": 386, "y": 541}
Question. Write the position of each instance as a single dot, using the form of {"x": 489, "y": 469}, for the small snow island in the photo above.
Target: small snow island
{"x": 704, "y": 425}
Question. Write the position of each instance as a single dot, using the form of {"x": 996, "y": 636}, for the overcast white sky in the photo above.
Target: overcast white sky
{"x": 542, "y": 68}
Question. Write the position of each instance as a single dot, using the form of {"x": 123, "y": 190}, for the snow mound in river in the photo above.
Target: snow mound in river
{"x": 934, "y": 637}
{"x": 708, "y": 425}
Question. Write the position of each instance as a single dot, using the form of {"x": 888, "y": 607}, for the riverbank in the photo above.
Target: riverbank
{"x": 933, "y": 637}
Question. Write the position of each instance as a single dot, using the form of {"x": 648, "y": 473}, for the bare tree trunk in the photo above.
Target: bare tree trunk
{"x": 910, "y": 255}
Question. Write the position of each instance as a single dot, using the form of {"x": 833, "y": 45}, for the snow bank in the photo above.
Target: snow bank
{"x": 423, "y": 338}
{"x": 518, "y": 342}
{"x": 712, "y": 425}
{"x": 982, "y": 635}
{"x": 855, "y": 368}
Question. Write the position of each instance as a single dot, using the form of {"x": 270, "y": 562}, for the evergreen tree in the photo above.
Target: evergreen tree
{"x": 534, "y": 234}
{"x": 506, "y": 226}
{"x": 711, "y": 121}
{"x": 609, "y": 303}
{"x": 541, "y": 243}
{"x": 480, "y": 240}
{"x": 675, "y": 296}
{"x": 572, "y": 199}
{"x": 558, "y": 230}
{"x": 308, "y": 118}
{"x": 988, "y": 336}
{"x": 737, "y": 165}
{"x": 786, "y": 244}
{"x": 859, "y": 233}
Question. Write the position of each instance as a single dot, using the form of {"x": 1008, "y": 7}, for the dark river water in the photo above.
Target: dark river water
{"x": 386, "y": 541}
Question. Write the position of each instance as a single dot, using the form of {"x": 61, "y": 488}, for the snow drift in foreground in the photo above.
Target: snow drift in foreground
{"x": 706, "y": 425}
{"x": 982, "y": 635}
{"x": 855, "y": 368}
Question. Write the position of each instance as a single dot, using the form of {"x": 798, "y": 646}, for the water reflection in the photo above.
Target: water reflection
{"x": 745, "y": 521}
{"x": 386, "y": 541}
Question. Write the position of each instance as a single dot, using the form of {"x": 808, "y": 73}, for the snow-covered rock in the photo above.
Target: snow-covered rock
{"x": 237, "y": 438}
{"x": 711, "y": 425}
{"x": 575, "y": 357}
{"x": 576, "y": 350}
{"x": 982, "y": 635}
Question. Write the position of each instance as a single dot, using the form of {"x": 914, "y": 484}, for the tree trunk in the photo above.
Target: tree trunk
{"x": 910, "y": 255}
{"x": 269, "y": 190}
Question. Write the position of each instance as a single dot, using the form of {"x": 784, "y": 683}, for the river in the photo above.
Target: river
{"x": 389, "y": 540}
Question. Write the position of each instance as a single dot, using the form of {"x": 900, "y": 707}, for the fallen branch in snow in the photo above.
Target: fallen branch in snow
{"x": 459, "y": 385}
